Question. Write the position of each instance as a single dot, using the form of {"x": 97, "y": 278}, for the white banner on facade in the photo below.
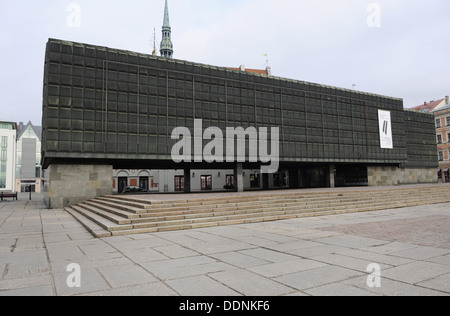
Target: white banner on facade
{"x": 384, "y": 119}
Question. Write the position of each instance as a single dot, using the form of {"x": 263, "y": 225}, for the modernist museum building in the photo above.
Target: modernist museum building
{"x": 109, "y": 114}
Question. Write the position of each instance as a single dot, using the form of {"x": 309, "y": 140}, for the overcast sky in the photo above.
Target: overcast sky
{"x": 398, "y": 48}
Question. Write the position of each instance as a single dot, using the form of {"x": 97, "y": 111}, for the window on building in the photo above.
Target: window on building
{"x": 448, "y": 120}
{"x": 276, "y": 180}
{"x": 438, "y": 123}
{"x": 229, "y": 184}
{"x": 254, "y": 181}
{"x": 206, "y": 183}
{"x": 439, "y": 139}
{"x": 4, "y": 141}
{"x": 230, "y": 180}
{"x": 441, "y": 156}
{"x": 179, "y": 183}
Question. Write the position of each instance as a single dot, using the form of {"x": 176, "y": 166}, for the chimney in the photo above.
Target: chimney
{"x": 447, "y": 100}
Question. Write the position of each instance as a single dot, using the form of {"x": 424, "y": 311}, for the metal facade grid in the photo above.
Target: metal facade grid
{"x": 102, "y": 103}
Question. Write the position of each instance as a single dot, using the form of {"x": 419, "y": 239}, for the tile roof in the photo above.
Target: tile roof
{"x": 256, "y": 71}
{"x": 428, "y": 107}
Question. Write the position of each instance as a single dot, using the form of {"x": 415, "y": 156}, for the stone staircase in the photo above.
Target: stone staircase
{"x": 124, "y": 215}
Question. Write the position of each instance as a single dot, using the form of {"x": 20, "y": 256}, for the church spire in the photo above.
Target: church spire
{"x": 166, "y": 43}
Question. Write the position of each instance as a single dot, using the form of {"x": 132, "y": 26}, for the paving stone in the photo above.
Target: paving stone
{"x": 317, "y": 277}
{"x": 22, "y": 283}
{"x": 150, "y": 289}
{"x": 268, "y": 255}
{"x": 311, "y": 234}
{"x": 57, "y": 238}
{"x": 389, "y": 247}
{"x": 193, "y": 270}
{"x": 212, "y": 247}
{"x": 201, "y": 286}
{"x": 441, "y": 283}
{"x": 415, "y": 272}
{"x": 339, "y": 289}
{"x": 393, "y": 288}
{"x": 64, "y": 252}
{"x": 38, "y": 291}
{"x": 97, "y": 249}
{"x": 21, "y": 269}
{"x": 178, "y": 263}
{"x": 316, "y": 251}
{"x": 144, "y": 255}
{"x": 239, "y": 260}
{"x": 350, "y": 241}
{"x": 87, "y": 264}
{"x": 122, "y": 276}
{"x": 348, "y": 262}
{"x": 278, "y": 269}
{"x": 176, "y": 251}
{"x": 259, "y": 241}
{"x": 445, "y": 259}
{"x": 422, "y": 253}
{"x": 379, "y": 258}
{"x": 250, "y": 284}
{"x": 91, "y": 281}
{"x": 293, "y": 245}
{"x": 137, "y": 244}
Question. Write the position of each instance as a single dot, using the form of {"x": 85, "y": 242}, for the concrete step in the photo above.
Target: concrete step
{"x": 169, "y": 216}
{"x": 100, "y": 221}
{"x": 166, "y": 213}
{"x": 206, "y": 204}
{"x": 119, "y": 205}
{"x": 235, "y": 222}
{"x": 117, "y": 219}
{"x": 113, "y": 210}
{"x": 96, "y": 230}
{"x": 124, "y": 215}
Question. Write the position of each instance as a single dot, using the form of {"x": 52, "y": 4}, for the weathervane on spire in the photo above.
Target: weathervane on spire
{"x": 268, "y": 68}
{"x": 155, "y": 51}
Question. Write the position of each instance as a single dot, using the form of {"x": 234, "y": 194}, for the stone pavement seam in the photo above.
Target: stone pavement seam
{"x": 140, "y": 265}
{"x": 48, "y": 256}
{"x": 239, "y": 268}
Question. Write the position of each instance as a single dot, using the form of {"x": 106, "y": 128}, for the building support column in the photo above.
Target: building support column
{"x": 239, "y": 177}
{"x": 187, "y": 180}
{"x": 331, "y": 183}
{"x": 265, "y": 180}
{"x": 72, "y": 184}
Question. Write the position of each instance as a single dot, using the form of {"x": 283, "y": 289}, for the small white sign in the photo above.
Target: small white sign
{"x": 384, "y": 119}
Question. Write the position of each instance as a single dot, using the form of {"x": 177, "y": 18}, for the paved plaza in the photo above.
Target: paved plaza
{"x": 316, "y": 256}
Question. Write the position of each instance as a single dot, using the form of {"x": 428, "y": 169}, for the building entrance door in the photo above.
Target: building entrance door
{"x": 143, "y": 183}
{"x": 206, "y": 183}
{"x": 122, "y": 183}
